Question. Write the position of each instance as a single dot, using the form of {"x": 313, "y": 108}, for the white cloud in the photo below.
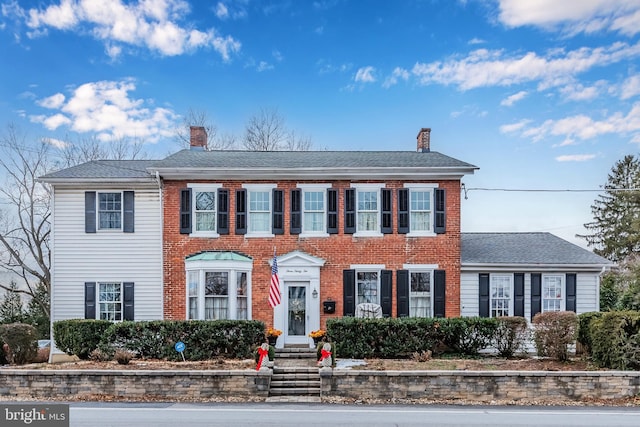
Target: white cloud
{"x": 575, "y": 157}
{"x": 512, "y": 99}
{"x": 631, "y": 87}
{"x": 222, "y": 11}
{"x": 476, "y": 40}
{"x": 573, "y": 16}
{"x": 484, "y": 67}
{"x": 579, "y": 92}
{"x": 514, "y": 127}
{"x": 582, "y": 127}
{"x": 54, "y": 101}
{"x": 365, "y": 75}
{"x": 106, "y": 109}
{"x": 264, "y": 66}
{"x": 155, "y": 24}
{"x": 398, "y": 74}
{"x": 56, "y": 142}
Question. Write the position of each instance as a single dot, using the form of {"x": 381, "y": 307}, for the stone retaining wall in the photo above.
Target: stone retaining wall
{"x": 170, "y": 385}
{"x": 480, "y": 385}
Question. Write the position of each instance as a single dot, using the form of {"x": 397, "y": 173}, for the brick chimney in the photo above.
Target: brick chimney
{"x": 198, "y": 139}
{"x": 424, "y": 140}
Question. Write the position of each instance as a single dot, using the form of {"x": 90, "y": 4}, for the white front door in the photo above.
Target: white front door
{"x": 296, "y": 305}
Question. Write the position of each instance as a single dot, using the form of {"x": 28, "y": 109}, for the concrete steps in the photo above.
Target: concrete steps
{"x": 296, "y": 377}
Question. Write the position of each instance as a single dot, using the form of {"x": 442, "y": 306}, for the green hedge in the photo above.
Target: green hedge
{"x": 401, "y": 337}
{"x": 584, "y": 329}
{"x": 22, "y": 343}
{"x": 615, "y": 339}
{"x": 234, "y": 339}
{"x": 79, "y": 337}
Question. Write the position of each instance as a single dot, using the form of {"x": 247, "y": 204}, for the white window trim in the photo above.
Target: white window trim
{"x": 109, "y": 230}
{"x": 421, "y": 268}
{"x": 423, "y": 187}
{"x": 98, "y": 301}
{"x": 369, "y": 187}
{"x": 511, "y": 291}
{"x": 260, "y": 188}
{"x": 368, "y": 268}
{"x": 203, "y": 188}
{"x": 230, "y": 267}
{"x": 563, "y": 289}
{"x": 313, "y": 187}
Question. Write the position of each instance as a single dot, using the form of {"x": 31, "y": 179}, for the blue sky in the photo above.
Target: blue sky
{"x": 540, "y": 94}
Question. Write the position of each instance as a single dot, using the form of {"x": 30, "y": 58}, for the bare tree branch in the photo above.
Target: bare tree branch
{"x": 215, "y": 141}
{"x": 267, "y": 131}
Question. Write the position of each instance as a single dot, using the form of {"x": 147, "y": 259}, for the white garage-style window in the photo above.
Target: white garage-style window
{"x": 218, "y": 286}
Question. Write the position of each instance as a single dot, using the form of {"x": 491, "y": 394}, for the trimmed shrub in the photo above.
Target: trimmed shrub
{"x": 235, "y": 339}
{"x": 511, "y": 335}
{"x": 21, "y": 342}
{"x": 79, "y": 337}
{"x": 632, "y": 352}
{"x": 123, "y": 357}
{"x": 611, "y": 334}
{"x": 469, "y": 335}
{"x": 554, "y": 332}
{"x": 584, "y": 329}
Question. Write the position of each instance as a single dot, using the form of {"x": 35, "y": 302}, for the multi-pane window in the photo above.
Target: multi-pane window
{"x": 205, "y": 210}
{"x": 551, "y": 293}
{"x": 110, "y": 211}
{"x": 242, "y": 305}
{"x": 368, "y": 210}
{"x": 420, "y": 294}
{"x": 260, "y": 211}
{"x": 216, "y": 295}
{"x": 420, "y": 205}
{"x": 500, "y": 295}
{"x": 367, "y": 286}
{"x": 110, "y": 301}
{"x": 313, "y": 211}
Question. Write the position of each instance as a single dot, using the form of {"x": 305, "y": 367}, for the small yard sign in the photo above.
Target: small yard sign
{"x": 180, "y": 348}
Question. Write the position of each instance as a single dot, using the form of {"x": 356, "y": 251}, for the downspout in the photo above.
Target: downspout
{"x": 161, "y": 200}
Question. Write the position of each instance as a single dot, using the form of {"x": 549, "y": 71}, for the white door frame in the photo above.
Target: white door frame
{"x": 301, "y": 268}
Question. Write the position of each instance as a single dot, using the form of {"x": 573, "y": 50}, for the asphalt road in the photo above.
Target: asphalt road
{"x": 316, "y": 415}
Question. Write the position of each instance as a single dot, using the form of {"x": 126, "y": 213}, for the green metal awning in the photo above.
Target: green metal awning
{"x": 219, "y": 256}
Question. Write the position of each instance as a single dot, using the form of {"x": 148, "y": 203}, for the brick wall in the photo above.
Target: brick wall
{"x": 339, "y": 250}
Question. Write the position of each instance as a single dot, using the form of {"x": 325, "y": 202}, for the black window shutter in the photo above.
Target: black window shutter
{"x": 402, "y": 293}
{"x": 439, "y": 291}
{"x": 518, "y": 294}
{"x": 403, "y": 211}
{"x": 90, "y": 212}
{"x": 536, "y": 294}
{"x": 350, "y": 211}
{"x": 295, "y": 226}
{"x": 385, "y": 292}
{"x": 387, "y": 212}
{"x": 89, "y": 300}
{"x": 571, "y": 292}
{"x": 348, "y": 292}
{"x": 185, "y": 211}
{"x": 483, "y": 301}
{"x": 128, "y": 301}
{"x": 241, "y": 211}
{"x": 332, "y": 211}
{"x": 128, "y": 223}
{"x": 440, "y": 216}
{"x": 277, "y": 227}
{"x": 223, "y": 211}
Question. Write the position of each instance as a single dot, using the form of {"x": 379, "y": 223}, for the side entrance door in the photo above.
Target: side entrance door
{"x": 296, "y": 303}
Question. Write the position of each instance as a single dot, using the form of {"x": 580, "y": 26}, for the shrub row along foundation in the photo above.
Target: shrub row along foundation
{"x": 482, "y": 386}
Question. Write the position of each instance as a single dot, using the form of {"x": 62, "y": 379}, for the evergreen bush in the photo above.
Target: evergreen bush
{"x": 21, "y": 342}
{"x": 79, "y": 337}
{"x": 613, "y": 336}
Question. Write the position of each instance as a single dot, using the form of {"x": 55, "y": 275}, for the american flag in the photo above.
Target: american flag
{"x": 274, "y": 287}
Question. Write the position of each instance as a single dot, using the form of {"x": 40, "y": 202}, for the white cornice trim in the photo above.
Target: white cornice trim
{"x": 533, "y": 267}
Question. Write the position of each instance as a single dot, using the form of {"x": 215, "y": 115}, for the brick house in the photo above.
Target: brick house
{"x": 347, "y": 227}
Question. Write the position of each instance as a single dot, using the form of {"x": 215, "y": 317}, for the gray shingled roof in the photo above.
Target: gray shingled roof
{"x": 101, "y": 169}
{"x": 308, "y": 159}
{"x": 524, "y": 248}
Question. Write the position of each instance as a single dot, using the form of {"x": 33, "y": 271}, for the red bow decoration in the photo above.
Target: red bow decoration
{"x": 324, "y": 354}
{"x": 262, "y": 352}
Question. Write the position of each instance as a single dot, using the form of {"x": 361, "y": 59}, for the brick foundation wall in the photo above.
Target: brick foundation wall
{"x": 339, "y": 250}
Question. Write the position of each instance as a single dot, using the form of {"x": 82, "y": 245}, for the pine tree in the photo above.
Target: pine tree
{"x": 37, "y": 313}
{"x": 616, "y": 225}
{"x": 11, "y": 310}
